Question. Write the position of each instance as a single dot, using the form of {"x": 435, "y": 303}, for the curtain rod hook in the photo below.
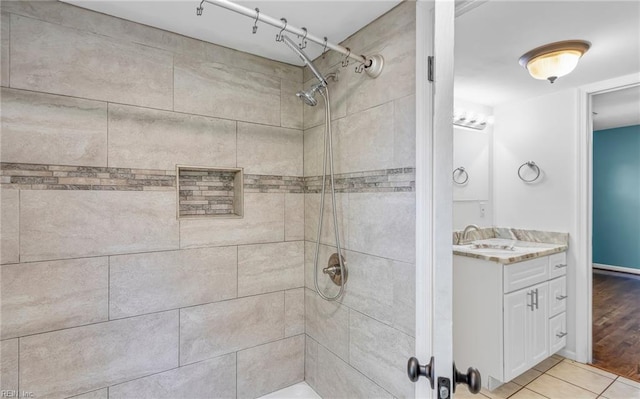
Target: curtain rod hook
{"x": 279, "y": 35}
{"x": 199, "y": 9}
{"x": 345, "y": 62}
{"x": 324, "y": 50}
{"x": 303, "y": 43}
{"x": 255, "y": 23}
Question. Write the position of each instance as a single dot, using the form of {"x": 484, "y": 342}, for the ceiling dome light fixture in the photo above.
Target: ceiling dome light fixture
{"x": 554, "y": 60}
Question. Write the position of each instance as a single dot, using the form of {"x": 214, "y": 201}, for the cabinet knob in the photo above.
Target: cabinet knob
{"x": 472, "y": 378}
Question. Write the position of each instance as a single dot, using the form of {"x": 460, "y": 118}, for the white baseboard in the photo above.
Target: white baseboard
{"x": 571, "y": 355}
{"x": 616, "y": 268}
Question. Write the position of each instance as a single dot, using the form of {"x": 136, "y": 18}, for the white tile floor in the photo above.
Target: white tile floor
{"x": 559, "y": 378}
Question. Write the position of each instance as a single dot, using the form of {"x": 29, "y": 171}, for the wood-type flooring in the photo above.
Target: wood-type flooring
{"x": 616, "y": 323}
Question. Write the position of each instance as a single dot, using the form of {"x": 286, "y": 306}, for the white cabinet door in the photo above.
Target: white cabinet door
{"x": 516, "y": 313}
{"x": 526, "y": 329}
{"x": 538, "y": 330}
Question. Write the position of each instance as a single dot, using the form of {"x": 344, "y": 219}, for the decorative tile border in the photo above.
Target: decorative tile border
{"x": 206, "y": 192}
{"x": 56, "y": 177}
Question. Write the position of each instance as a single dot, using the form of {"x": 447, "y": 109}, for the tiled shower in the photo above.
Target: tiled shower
{"x": 107, "y": 293}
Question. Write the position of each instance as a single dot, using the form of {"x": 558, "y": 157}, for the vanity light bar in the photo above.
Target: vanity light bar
{"x": 470, "y": 120}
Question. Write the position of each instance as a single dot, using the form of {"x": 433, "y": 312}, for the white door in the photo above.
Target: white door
{"x": 539, "y": 329}
{"x": 434, "y": 153}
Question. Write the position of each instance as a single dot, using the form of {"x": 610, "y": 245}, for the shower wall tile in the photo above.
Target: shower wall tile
{"x": 267, "y": 150}
{"x": 5, "y": 25}
{"x": 99, "y": 394}
{"x": 383, "y": 225}
{"x": 328, "y": 323}
{"x": 239, "y": 94}
{"x": 314, "y": 116}
{"x": 311, "y": 362}
{"x": 9, "y": 228}
{"x": 293, "y": 217}
{"x": 46, "y": 296}
{"x": 284, "y": 361}
{"x": 291, "y": 112}
{"x": 9, "y": 365}
{"x": 215, "y": 378}
{"x": 151, "y": 282}
{"x": 313, "y": 149}
{"x": 224, "y": 327}
{"x": 337, "y": 379}
{"x": 68, "y": 362}
{"x": 266, "y": 268}
{"x": 366, "y": 140}
{"x": 82, "y": 19}
{"x": 263, "y": 222}
{"x": 404, "y": 132}
{"x": 55, "y": 59}
{"x": 70, "y": 224}
{"x": 294, "y": 312}
{"x": 380, "y": 352}
{"x": 324, "y": 253}
{"x": 48, "y": 129}
{"x": 148, "y": 139}
{"x": 312, "y": 212}
{"x": 398, "y": 77}
{"x": 404, "y": 298}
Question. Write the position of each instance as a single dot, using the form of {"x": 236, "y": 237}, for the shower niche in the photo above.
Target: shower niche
{"x": 208, "y": 192}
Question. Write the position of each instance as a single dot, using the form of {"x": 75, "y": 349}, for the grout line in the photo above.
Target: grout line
{"x": 179, "y": 336}
{"x": 108, "y": 288}
{"x": 108, "y": 112}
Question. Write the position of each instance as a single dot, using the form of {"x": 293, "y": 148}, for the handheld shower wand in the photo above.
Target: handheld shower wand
{"x": 304, "y": 59}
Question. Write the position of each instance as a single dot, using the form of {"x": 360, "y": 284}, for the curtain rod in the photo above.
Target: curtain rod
{"x": 372, "y": 65}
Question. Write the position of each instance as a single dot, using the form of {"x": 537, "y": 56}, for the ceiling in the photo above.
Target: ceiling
{"x": 616, "y": 108}
{"x": 336, "y": 20}
{"x": 491, "y": 38}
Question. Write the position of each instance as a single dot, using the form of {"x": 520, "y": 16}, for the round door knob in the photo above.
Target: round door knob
{"x": 415, "y": 370}
{"x": 472, "y": 378}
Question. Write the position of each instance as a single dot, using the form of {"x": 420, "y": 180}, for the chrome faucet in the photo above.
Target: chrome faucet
{"x": 463, "y": 238}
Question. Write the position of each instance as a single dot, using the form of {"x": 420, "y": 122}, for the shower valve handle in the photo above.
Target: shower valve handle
{"x": 331, "y": 270}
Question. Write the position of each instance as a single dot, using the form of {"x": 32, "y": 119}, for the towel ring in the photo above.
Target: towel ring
{"x": 461, "y": 172}
{"x": 533, "y": 166}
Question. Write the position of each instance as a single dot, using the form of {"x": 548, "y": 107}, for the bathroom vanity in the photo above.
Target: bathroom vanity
{"x": 509, "y": 306}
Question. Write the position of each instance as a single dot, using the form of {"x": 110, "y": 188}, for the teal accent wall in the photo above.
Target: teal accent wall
{"x": 616, "y": 197}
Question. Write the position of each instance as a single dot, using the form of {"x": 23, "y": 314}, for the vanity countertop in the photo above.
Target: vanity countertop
{"x": 514, "y": 251}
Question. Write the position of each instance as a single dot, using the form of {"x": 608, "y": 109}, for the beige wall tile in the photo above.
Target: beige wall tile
{"x": 99, "y": 394}
{"x": 284, "y": 361}
{"x": 218, "y": 328}
{"x": 383, "y": 225}
{"x": 404, "y": 132}
{"x": 310, "y": 361}
{"x": 293, "y": 217}
{"x": 365, "y": 141}
{"x": 47, "y": 129}
{"x": 324, "y": 253}
{"x": 263, "y": 221}
{"x": 46, "y": 296}
{"x": 337, "y": 379}
{"x": 9, "y": 365}
{"x": 215, "y": 378}
{"x": 267, "y": 150}
{"x": 381, "y": 352}
{"x": 150, "y": 282}
{"x": 149, "y": 139}
{"x": 328, "y": 323}
{"x": 213, "y": 89}
{"x": 291, "y": 112}
{"x": 51, "y": 58}
{"x": 266, "y": 268}
{"x": 294, "y": 312}
{"x": 5, "y": 25}
{"x": 312, "y": 213}
{"x": 68, "y": 224}
{"x": 313, "y": 149}
{"x": 77, "y": 360}
{"x": 404, "y": 297}
{"x": 9, "y": 226}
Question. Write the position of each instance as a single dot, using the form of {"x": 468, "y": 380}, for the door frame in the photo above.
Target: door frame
{"x": 434, "y": 206}
{"x": 584, "y": 228}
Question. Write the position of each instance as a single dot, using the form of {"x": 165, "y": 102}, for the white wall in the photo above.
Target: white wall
{"x": 542, "y": 129}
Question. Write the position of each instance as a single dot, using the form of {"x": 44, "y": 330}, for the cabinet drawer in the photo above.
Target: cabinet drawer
{"x": 557, "y": 265}
{"x": 523, "y": 274}
{"x": 557, "y": 296}
{"x": 557, "y": 333}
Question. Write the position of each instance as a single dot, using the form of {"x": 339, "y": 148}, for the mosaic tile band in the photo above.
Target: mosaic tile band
{"x": 60, "y": 177}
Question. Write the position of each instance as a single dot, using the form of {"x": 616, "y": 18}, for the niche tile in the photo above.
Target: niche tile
{"x": 209, "y": 192}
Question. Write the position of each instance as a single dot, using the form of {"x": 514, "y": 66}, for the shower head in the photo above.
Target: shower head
{"x": 309, "y": 96}
{"x": 304, "y": 59}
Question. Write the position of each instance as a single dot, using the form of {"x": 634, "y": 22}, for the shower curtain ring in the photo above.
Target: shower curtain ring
{"x": 255, "y": 23}
{"x": 199, "y": 9}
{"x": 303, "y": 43}
{"x": 324, "y": 50}
{"x": 279, "y": 35}
{"x": 345, "y": 62}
